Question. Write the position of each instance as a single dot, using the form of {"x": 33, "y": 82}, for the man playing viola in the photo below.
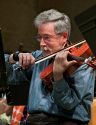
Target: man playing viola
{"x": 69, "y": 101}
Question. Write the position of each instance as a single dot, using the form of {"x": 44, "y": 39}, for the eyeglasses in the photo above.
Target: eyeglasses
{"x": 46, "y": 37}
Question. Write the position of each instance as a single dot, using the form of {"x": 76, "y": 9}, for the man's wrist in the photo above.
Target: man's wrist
{"x": 57, "y": 76}
{"x": 15, "y": 56}
{"x": 10, "y": 59}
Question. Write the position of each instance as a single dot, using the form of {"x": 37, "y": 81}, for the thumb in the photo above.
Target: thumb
{"x": 71, "y": 63}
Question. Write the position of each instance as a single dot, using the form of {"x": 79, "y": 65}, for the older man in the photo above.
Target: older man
{"x": 68, "y": 102}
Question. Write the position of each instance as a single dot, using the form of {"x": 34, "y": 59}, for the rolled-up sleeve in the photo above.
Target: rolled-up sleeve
{"x": 79, "y": 87}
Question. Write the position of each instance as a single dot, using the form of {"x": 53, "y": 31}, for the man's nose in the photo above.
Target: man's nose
{"x": 42, "y": 42}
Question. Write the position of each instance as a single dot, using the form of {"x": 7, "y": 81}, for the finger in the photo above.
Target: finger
{"x": 24, "y": 61}
{"x": 73, "y": 62}
{"x": 20, "y": 58}
{"x": 66, "y": 53}
{"x": 32, "y": 60}
{"x": 28, "y": 59}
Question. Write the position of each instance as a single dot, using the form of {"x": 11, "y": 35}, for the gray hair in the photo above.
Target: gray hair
{"x": 61, "y": 20}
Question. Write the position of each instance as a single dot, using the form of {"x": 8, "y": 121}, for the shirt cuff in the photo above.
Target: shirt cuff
{"x": 60, "y": 85}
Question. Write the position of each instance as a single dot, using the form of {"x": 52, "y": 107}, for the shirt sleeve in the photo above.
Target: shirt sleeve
{"x": 15, "y": 74}
{"x": 77, "y": 88}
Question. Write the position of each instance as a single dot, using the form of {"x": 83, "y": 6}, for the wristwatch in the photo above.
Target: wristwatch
{"x": 15, "y": 56}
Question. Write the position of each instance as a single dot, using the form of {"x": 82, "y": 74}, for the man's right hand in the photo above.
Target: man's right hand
{"x": 25, "y": 59}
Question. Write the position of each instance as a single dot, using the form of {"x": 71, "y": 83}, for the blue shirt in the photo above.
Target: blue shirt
{"x": 71, "y": 96}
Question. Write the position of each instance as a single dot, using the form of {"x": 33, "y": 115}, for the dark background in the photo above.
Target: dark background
{"x": 17, "y": 16}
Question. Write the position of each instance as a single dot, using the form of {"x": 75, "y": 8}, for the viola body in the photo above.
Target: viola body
{"x": 77, "y": 53}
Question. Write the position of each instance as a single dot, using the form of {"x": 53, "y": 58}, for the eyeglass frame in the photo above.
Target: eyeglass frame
{"x": 47, "y": 37}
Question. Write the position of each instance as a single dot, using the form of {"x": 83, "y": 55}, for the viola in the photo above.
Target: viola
{"x": 80, "y": 54}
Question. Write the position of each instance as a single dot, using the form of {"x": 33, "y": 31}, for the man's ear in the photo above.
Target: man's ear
{"x": 65, "y": 35}
{"x": 65, "y": 38}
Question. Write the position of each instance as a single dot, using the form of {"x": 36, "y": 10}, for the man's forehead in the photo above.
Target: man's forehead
{"x": 46, "y": 28}
{"x": 46, "y": 24}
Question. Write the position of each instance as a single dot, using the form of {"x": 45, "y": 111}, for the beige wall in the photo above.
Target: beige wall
{"x": 16, "y": 19}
